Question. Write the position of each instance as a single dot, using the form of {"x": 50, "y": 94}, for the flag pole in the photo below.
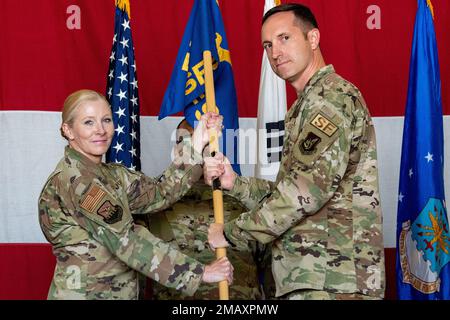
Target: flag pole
{"x": 214, "y": 148}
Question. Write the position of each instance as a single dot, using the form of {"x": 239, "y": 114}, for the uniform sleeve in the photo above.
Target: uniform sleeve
{"x": 319, "y": 161}
{"x": 106, "y": 221}
{"x": 55, "y": 219}
{"x": 147, "y": 194}
{"x": 250, "y": 191}
{"x": 140, "y": 250}
{"x": 50, "y": 213}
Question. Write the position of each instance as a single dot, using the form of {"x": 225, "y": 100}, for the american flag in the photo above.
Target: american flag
{"x": 122, "y": 93}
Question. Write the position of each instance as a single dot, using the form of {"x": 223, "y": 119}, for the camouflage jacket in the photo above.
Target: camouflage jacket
{"x": 322, "y": 214}
{"x": 85, "y": 213}
{"x": 185, "y": 226}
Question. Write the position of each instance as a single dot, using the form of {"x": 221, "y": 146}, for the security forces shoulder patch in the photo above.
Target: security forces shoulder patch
{"x": 324, "y": 124}
{"x": 317, "y": 135}
{"x": 309, "y": 144}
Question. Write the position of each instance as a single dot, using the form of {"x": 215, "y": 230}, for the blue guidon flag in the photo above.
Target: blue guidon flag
{"x": 423, "y": 244}
{"x": 186, "y": 90}
{"x": 122, "y": 93}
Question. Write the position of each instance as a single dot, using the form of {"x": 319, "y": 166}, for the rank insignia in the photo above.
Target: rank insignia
{"x": 110, "y": 213}
{"x": 308, "y": 145}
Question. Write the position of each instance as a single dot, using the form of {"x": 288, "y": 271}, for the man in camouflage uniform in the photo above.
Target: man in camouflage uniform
{"x": 322, "y": 215}
{"x": 85, "y": 212}
{"x": 185, "y": 226}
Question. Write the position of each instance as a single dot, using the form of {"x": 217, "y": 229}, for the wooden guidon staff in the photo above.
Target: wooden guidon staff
{"x": 214, "y": 148}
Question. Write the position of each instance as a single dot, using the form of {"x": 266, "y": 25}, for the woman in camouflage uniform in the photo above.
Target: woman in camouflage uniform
{"x": 86, "y": 207}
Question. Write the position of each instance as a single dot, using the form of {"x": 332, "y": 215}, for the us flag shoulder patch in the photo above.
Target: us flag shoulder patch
{"x": 92, "y": 198}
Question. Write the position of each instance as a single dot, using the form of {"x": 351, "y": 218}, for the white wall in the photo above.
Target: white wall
{"x": 31, "y": 146}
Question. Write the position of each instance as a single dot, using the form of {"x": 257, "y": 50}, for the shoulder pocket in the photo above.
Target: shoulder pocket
{"x": 98, "y": 205}
{"x": 317, "y": 136}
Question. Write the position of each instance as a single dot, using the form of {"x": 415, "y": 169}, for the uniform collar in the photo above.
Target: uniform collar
{"x": 73, "y": 155}
{"x": 316, "y": 78}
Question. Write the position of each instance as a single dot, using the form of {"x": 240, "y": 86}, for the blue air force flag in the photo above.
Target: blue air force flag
{"x": 122, "y": 93}
{"x": 186, "y": 90}
{"x": 422, "y": 226}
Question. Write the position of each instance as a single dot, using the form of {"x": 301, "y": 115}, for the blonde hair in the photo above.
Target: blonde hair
{"x": 73, "y": 101}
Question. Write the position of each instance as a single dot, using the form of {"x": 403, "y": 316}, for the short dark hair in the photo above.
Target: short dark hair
{"x": 302, "y": 13}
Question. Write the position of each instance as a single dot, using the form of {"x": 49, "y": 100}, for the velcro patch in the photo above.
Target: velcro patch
{"x": 92, "y": 198}
{"x": 324, "y": 124}
{"x": 110, "y": 213}
{"x": 309, "y": 144}
{"x": 316, "y": 137}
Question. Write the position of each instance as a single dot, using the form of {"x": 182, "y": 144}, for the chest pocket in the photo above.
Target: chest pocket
{"x": 98, "y": 205}
{"x": 317, "y": 135}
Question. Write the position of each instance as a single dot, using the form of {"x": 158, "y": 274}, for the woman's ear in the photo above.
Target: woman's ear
{"x": 314, "y": 38}
{"x": 67, "y": 131}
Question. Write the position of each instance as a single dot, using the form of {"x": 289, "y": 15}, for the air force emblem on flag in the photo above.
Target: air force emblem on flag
{"x": 424, "y": 247}
{"x": 423, "y": 272}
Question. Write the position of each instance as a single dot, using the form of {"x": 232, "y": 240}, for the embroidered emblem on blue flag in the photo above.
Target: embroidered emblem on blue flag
{"x": 186, "y": 91}
{"x": 423, "y": 271}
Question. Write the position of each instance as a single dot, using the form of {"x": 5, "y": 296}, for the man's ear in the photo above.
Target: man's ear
{"x": 67, "y": 131}
{"x": 314, "y": 38}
